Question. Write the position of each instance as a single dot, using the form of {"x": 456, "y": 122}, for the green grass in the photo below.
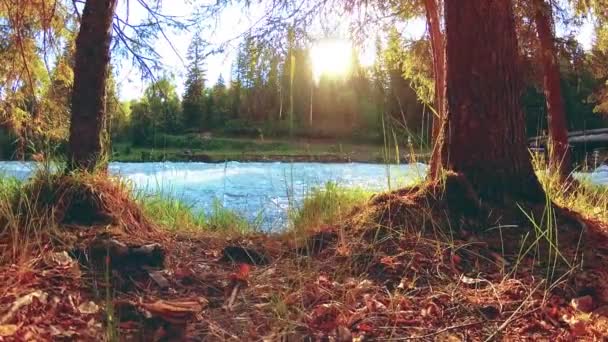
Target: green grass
{"x": 328, "y": 205}
{"x": 170, "y": 213}
{"x": 174, "y": 214}
{"x": 222, "y": 149}
{"x": 591, "y": 200}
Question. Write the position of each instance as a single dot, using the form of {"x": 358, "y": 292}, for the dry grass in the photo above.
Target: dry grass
{"x": 425, "y": 263}
{"x": 55, "y": 210}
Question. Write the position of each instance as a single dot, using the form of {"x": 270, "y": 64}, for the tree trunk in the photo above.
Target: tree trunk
{"x": 559, "y": 153}
{"x": 438, "y": 50}
{"x": 92, "y": 59}
{"x": 483, "y": 136}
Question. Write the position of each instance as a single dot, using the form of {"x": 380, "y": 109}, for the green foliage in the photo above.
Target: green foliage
{"x": 159, "y": 111}
{"x": 27, "y": 29}
{"x": 194, "y": 96}
{"x": 581, "y": 75}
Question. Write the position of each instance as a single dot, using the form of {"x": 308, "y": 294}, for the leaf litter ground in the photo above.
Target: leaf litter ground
{"x": 409, "y": 265}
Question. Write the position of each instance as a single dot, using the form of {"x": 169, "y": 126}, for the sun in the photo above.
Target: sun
{"x": 331, "y": 58}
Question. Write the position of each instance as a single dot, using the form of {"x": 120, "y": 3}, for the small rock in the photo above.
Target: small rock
{"x": 238, "y": 254}
{"x": 490, "y": 312}
{"x": 159, "y": 279}
{"x": 122, "y": 255}
{"x": 584, "y": 303}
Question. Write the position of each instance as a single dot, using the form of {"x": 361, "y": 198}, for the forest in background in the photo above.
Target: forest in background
{"x": 271, "y": 91}
{"x": 492, "y": 243}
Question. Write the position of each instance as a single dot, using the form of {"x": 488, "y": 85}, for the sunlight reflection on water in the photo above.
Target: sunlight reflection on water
{"x": 257, "y": 190}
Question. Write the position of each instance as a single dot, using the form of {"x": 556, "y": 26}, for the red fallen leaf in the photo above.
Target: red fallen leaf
{"x": 325, "y": 317}
{"x": 244, "y": 271}
{"x": 181, "y": 273}
{"x": 552, "y": 311}
{"x": 456, "y": 259}
{"x": 389, "y": 261}
{"x": 242, "y": 274}
{"x": 365, "y": 327}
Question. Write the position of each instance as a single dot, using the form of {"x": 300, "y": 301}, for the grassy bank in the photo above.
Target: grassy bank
{"x": 349, "y": 266}
{"x": 218, "y": 149}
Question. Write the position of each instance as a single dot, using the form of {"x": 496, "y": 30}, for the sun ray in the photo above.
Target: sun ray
{"x": 331, "y": 58}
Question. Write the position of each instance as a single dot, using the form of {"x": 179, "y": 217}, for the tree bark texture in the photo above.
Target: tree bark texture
{"x": 85, "y": 148}
{"x": 559, "y": 152}
{"x": 483, "y": 136}
{"x": 438, "y": 49}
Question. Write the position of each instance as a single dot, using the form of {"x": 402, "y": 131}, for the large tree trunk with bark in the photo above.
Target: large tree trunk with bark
{"x": 559, "y": 152}
{"x": 92, "y": 58}
{"x": 483, "y": 135}
{"x": 438, "y": 49}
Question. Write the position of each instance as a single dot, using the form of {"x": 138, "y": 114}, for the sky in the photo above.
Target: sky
{"x": 231, "y": 24}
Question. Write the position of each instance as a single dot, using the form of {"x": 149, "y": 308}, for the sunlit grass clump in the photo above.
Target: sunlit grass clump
{"x": 582, "y": 196}
{"x": 328, "y": 205}
{"x": 174, "y": 214}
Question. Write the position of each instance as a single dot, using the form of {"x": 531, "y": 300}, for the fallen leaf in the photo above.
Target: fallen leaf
{"x": 584, "y": 303}
{"x": 365, "y": 327}
{"x": 61, "y": 258}
{"x": 469, "y": 280}
{"x": 7, "y": 330}
{"x": 88, "y": 308}
{"x": 325, "y": 317}
{"x": 175, "y": 311}
{"x": 23, "y": 301}
{"x": 578, "y": 327}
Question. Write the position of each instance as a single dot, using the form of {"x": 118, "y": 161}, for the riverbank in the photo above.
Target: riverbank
{"x": 219, "y": 150}
{"x": 150, "y": 270}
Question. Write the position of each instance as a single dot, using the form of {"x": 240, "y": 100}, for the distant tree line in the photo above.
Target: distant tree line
{"x": 270, "y": 90}
{"x": 396, "y": 93}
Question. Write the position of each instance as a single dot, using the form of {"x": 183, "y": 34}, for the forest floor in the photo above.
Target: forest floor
{"x": 388, "y": 268}
{"x": 224, "y": 149}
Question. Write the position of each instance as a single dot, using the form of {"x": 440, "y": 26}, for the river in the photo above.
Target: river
{"x": 261, "y": 192}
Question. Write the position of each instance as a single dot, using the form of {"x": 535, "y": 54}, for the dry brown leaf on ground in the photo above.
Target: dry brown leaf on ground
{"x": 175, "y": 311}
{"x": 7, "y": 330}
{"x": 23, "y": 301}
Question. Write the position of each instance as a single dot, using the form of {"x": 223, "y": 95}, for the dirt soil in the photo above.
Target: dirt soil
{"x": 391, "y": 272}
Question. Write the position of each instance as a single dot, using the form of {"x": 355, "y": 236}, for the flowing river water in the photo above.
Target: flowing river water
{"x": 261, "y": 192}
